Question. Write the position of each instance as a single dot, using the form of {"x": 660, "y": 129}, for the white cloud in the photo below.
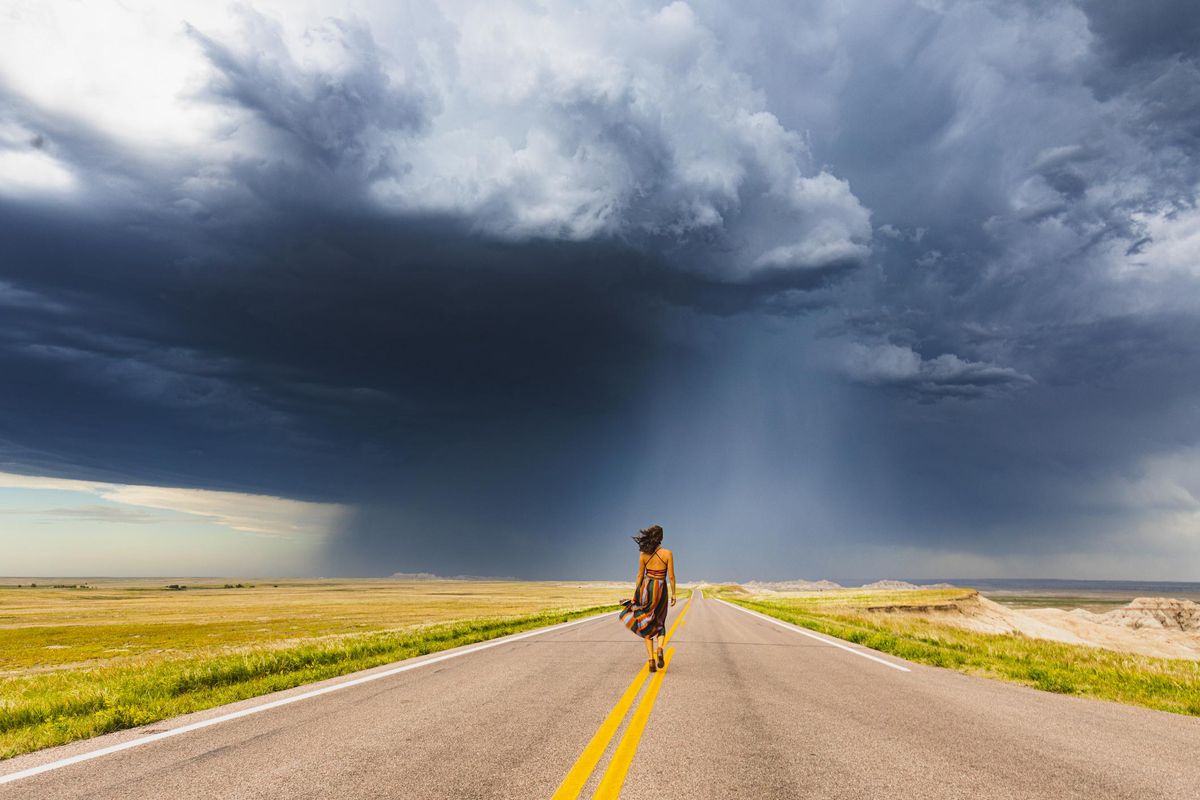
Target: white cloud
{"x": 1170, "y": 243}
{"x": 945, "y": 375}
{"x": 574, "y": 121}
{"x": 561, "y": 120}
{"x": 32, "y": 172}
{"x": 250, "y": 513}
{"x": 812, "y": 253}
{"x": 123, "y": 67}
{"x": 26, "y": 168}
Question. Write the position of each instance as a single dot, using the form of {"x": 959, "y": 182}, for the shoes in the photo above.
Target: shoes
{"x": 652, "y": 667}
{"x": 660, "y": 659}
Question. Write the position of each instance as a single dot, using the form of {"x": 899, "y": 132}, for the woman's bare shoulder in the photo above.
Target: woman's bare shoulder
{"x": 666, "y": 552}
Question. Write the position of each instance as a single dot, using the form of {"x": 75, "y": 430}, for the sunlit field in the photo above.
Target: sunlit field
{"x": 77, "y": 662}
{"x": 1161, "y": 683}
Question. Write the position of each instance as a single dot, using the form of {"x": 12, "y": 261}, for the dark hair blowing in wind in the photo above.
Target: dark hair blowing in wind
{"x": 649, "y": 539}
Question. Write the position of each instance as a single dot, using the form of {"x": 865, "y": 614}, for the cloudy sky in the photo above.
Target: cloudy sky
{"x": 828, "y": 289}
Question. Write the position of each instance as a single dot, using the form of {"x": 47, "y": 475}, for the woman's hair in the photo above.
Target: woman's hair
{"x": 649, "y": 539}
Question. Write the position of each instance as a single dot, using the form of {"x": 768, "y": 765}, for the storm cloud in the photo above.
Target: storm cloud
{"x": 823, "y": 288}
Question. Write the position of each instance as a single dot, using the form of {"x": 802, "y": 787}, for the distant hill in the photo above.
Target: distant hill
{"x": 793, "y": 586}
{"x": 802, "y": 585}
{"x": 429, "y": 576}
{"x": 894, "y": 585}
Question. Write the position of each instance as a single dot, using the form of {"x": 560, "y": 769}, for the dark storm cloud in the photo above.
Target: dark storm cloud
{"x": 1032, "y": 169}
{"x": 911, "y": 275}
{"x": 361, "y": 340}
{"x": 331, "y": 120}
{"x": 1154, "y": 30}
{"x": 1003, "y": 212}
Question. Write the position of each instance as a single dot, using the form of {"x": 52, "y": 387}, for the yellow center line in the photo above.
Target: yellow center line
{"x": 614, "y": 776}
{"x": 573, "y": 784}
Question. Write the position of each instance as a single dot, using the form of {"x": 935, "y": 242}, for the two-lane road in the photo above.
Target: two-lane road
{"x": 748, "y": 708}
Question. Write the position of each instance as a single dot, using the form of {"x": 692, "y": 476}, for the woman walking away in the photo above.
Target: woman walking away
{"x": 646, "y": 613}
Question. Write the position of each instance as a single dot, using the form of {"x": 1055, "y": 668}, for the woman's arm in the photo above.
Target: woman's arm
{"x": 641, "y": 571}
{"x": 671, "y": 572}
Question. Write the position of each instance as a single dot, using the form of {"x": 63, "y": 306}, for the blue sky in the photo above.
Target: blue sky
{"x": 892, "y": 287}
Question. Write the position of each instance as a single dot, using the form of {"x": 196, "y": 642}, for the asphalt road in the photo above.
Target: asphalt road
{"x": 747, "y": 708}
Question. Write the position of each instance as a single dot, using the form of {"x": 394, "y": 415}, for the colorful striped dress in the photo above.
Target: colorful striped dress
{"x": 646, "y": 613}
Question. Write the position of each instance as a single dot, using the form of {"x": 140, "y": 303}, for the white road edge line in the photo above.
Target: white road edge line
{"x": 811, "y": 635}
{"x": 245, "y": 712}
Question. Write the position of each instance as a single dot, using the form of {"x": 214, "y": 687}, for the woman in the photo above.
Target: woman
{"x": 646, "y": 613}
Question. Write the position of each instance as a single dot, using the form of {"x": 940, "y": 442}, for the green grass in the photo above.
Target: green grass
{"x": 77, "y": 662}
{"x": 41, "y": 709}
{"x": 1159, "y": 683}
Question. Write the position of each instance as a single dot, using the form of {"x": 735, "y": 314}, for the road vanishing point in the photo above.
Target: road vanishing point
{"x": 748, "y": 707}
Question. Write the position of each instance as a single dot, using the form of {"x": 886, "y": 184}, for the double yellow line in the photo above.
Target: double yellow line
{"x": 614, "y": 776}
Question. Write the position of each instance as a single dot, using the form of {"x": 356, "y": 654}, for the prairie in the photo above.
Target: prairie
{"x": 78, "y": 662}
{"x": 904, "y": 624}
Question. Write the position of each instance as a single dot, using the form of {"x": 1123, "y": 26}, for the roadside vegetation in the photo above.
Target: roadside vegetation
{"x": 1159, "y": 683}
{"x": 124, "y": 655}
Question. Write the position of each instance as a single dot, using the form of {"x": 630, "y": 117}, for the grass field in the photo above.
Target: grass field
{"x": 1097, "y": 604}
{"x": 1158, "y": 683}
{"x": 80, "y": 662}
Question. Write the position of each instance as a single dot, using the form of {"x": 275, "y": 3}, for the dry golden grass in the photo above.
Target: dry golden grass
{"x": 132, "y": 620}
{"x": 869, "y": 598}
{"x": 80, "y": 662}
